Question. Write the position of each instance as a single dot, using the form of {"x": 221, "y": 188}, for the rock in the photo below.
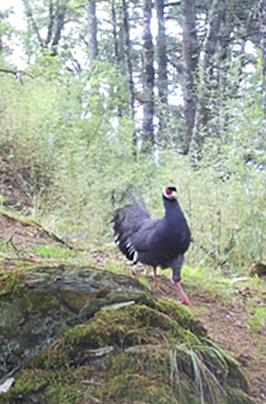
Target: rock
{"x": 67, "y": 327}
{"x": 258, "y": 269}
{"x": 5, "y": 386}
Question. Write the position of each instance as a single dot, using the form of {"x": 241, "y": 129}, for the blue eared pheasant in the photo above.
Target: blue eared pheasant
{"x": 155, "y": 242}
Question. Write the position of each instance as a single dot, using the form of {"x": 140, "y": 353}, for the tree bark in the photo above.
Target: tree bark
{"x": 190, "y": 57}
{"x": 205, "y": 77}
{"x": 148, "y": 79}
{"x": 262, "y": 16}
{"x": 50, "y": 22}
{"x": 59, "y": 25}
{"x": 223, "y": 81}
{"x": 162, "y": 82}
{"x": 115, "y": 35}
{"x": 128, "y": 57}
{"x": 92, "y": 30}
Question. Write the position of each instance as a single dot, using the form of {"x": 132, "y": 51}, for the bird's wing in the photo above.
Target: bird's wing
{"x": 128, "y": 222}
{"x": 142, "y": 238}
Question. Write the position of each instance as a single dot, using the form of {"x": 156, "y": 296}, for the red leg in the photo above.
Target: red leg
{"x": 182, "y": 295}
{"x": 156, "y": 284}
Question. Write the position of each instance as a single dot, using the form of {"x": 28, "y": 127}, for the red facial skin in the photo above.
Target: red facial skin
{"x": 168, "y": 191}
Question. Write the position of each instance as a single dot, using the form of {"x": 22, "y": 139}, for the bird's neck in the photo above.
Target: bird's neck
{"x": 172, "y": 210}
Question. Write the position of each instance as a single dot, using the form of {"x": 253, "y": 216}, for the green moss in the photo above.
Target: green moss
{"x": 152, "y": 361}
{"x": 154, "y": 352}
{"x": 133, "y": 325}
{"x": 61, "y": 393}
{"x": 135, "y": 388}
{"x": 182, "y": 314}
{"x": 29, "y": 383}
{"x": 235, "y": 375}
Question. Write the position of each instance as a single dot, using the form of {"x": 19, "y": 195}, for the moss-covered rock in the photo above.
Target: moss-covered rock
{"x": 88, "y": 336}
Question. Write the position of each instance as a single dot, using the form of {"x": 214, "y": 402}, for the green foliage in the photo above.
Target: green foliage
{"x": 72, "y": 141}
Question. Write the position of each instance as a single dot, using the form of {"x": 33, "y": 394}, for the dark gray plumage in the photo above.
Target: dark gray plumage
{"x": 156, "y": 242}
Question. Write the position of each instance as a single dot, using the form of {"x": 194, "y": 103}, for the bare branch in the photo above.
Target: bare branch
{"x": 174, "y": 3}
{"x": 17, "y": 73}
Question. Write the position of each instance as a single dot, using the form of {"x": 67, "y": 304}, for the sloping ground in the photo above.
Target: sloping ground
{"x": 229, "y": 326}
{"x": 121, "y": 358}
{"x": 26, "y": 238}
{"x": 231, "y": 323}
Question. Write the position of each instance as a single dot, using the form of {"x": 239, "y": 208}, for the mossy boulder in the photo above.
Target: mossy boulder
{"x": 82, "y": 335}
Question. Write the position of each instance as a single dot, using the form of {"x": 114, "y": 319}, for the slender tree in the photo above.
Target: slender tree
{"x": 262, "y": 16}
{"x": 206, "y": 69}
{"x": 115, "y": 31}
{"x": 162, "y": 82}
{"x": 59, "y": 22}
{"x": 190, "y": 59}
{"x": 129, "y": 64}
{"x": 148, "y": 78}
{"x": 92, "y": 30}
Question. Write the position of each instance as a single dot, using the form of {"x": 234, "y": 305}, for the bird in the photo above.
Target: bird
{"x": 154, "y": 242}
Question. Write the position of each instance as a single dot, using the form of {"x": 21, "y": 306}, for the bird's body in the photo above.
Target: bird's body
{"x": 156, "y": 242}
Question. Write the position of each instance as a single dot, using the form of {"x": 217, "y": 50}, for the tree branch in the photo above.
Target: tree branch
{"x": 174, "y": 3}
{"x": 16, "y": 73}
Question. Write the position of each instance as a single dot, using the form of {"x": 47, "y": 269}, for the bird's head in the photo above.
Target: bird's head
{"x": 170, "y": 193}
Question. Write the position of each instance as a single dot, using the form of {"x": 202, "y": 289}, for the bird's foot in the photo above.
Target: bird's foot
{"x": 182, "y": 295}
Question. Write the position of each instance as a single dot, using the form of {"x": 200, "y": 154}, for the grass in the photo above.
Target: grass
{"x": 52, "y": 251}
{"x": 258, "y": 319}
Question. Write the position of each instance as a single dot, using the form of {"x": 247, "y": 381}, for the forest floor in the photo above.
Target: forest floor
{"x": 229, "y": 326}
{"x": 229, "y": 319}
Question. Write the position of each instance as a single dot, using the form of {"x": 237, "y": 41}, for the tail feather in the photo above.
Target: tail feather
{"x": 126, "y": 222}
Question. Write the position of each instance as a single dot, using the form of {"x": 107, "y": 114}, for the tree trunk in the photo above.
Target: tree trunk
{"x": 223, "y": 85}
{"x": 148, "y": 79}
{"x": 59, "y": 25}
{"x": 92, "y": 30}
{"x": 205, "y": 77}
{"x": 190, "y": 56}
{"x": 128, "y": 57}
{"x": 50, "y": 22}
{"x": 115, "y": 35}
{"x": 162, "y": 82}
{"x": 262, "y": 15}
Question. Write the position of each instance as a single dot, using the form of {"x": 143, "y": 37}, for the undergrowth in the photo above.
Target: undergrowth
{"x": 74, "y": 154}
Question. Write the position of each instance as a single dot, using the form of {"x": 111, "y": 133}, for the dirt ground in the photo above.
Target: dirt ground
{"x": 228, "y": 326}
